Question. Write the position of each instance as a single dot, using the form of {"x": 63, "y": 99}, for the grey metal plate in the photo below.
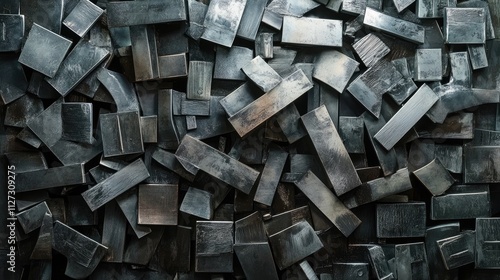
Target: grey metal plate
{"x": 394, "y": 26}
{"x": 311, "y": 32}
{"x": 157, "y": 204}
{"x": 82, "y": 17}
{"x": 338, "y": 77}
{"x": 214, "y": 246}
{"x": 401, "y": 220}
{"x": 464, "y": 25}
{"x": 129, "y": 13}
{"x": 12, "y": 32}
{"x": 222, "y": 21}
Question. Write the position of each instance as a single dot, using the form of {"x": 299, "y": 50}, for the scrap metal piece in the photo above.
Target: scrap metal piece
{"x": 461, "y": 73}
{"x": 173, "y": 66}
{"x": 157, "y": 204}
{"x": 369, "y": 87}
{"x": 140, "y": 250}
{"x": 77, "y": 122}
{"x": 191, "y": 123}
{"x": 217, "y": 164}
{"x": 405, "y": 87}
{"x": 256, "y": 260}
{"x": 298, "y": 31}
{"x": 308, "y": 270}
{"x": 370, "y": 49}
{"x": 22, "y": 110}
{"x": 43, "y": 246}
{"x": 401, "y": 220}
{"x": 196, "y": 11}
{"x": 169, "y": 160}
{"x": 228, "y": 63}
{"x": 249, "y": 229}
{"x": 400, "y": 28}
{"x": 264, "y": 45}
{"x": 198, "y": 203}
{"x": 115, "y": 185}
{"x": 487, "y": 240}
{"x": 379, "y": 263}
{"x": 199, "y": 80}
{"x": 222, "y": 21}
{"x": 406, "y": 117}
{"x": 464, "y": 25}
{"x": 462, "y": 202}
{"x": 79, "y": 63}
{"x": 12, "y": 32}
{"x": 52, "y": 13}
{"x": 291, "y": 88}
{"x": 490, "y": 28}
{"x": 360, "y": 271}
{"x": 149, "y": 129}
{"x": 434, "y": 177}
{"x": 386, "y": 158}
{"x": 328, "y": 203}
{"x": 128, "y": 203}
{"x": 77, "y": 212}
{"x": 144, "y": 52}
{"x": 428, "y": 65}
{"x": 55, "y": 49}
{"x": 294, "y": 243}
{"x": 121, "y": 134}
{"x": 451, "y": 156}
{"x": 433, "y": 8}
{"x": 351, "y": 131}
{"x": 411, "y": 261}
{"x": 338, "y": 78}
{"x": 250, "y": 20}
{"x": 379, "y": 188}
{"x": 270, "y": 176}
{"x": 120, "y": 88}
{"x": 145, "y": 12}
{"x": 262, "y": 74}
{"x": 114, "y": 232}
{"x": 437, "y": 268}
{"x": 32, "y": 218}
{"x": 455, "y": 126}
{"x": 214, "y": 246}
{"x": 339, "y": 168}
{"x": 289, "y": 121}
{"x": 82, "y": 17}
{"x": 50, "y": 178}
{"x": 479, "y": 170}
{"x": 477, "y": 56}
{"x": 457, "y": 251}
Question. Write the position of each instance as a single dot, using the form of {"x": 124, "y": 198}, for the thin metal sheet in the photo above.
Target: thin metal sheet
{"x": 262, "y": 74}
{"x": 339, "y": 168}
{"x": 50, "y": 178}
{"x": 114, "y": 232}
{"x": 121, "y": 134}
{"x": 459, "y": 250}
{"x": 222, "y": 21}
{"x": 82, "y": 60}
{"x": 436, "y": 266}
{"x": 12, "y": 32}
{"x": 401, "y": 220}
{"x": 198, "y": 203}
{"x": 400, "y": 28}
{"x": 214, "y": 246}
{"x": 428, "y": 65}
{"x": 77, "y": 122}
{"x": 250, "y": 20}
{"x": 487, "y": 240}
{"x": 462, "y": 202}
{"x": 464, "y": 25}
{"x": 256, "y": 260}
{"x": 55, "y": 49}
{"x": 199, "y": 80}
{"x": 157, "y": 204}
{"x": 115, "y": 185}
{"x": 370, "y": 49}
{"x": 270, "y": 176}
{"x": 120, "y": 88}
{"x": 338, "y": 77}
{"x": 328, "y": 203}
{"x": 217, "y": 164}
{"x": 411, "y": 261}
{"x": 434, "y": 177}
{"x": 306, "y": 31}
{"x": 406, "y": 117}
{"x": 291, "y": 88}
{"x": 145, "y": 12}
{"x": 82, "y": 17}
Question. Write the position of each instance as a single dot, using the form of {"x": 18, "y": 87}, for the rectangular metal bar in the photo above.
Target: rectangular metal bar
{"x": 280, "y": 222}
{"x": 477, "y": 56}
{"x": 145, "y": 12}
{"x": 253, "y": 115}
{"x": 401, "y": 220}
{"x": 464, "y": 25}
{"x": 157, "y": 204}
{"x": 270, "y": 176}
{"x": 462, "y": 202}
{"x": 406, "y": 117}
{"x": 339, "y": 168}
{"x": 217, "y": 164}
{"x": 199, "y": 80}
{"x": 433, "y": 8}
{"x": 434, "y": 177}
{"x": 289, "y": 121}
{"x": 328, "y": 203}
{"x": 50, "y": 178}
{"x": 167, "y": 134}
{"x": 77, "y": 122}
{"x": 455, "y": 126}
{"x": 250, "y": 20}
{"x": 214, "y": 246}
{"x": 250, "y": 229}
{"x": 149, "y": 129}
{"x": 370, "y": 49}
{"x": 459, "y": 250}
{"x": 144, "y": 52}
{"x": 306, "y": 31}
{"x": 115, "y": 185}
{"x": 12, "y": 32}
{"x": 82, "y": 17}
{"x": 261, "y": 74}
{"x": 32, "y": 218}
{"x": 114, "y": 232}
{"x": 400, "y": 28}
{"x": 228, "y": 63}
{"x": 428, "y": 65}
{"x": 339, "y": 78}
{"x": 195, "y": 107}
{"x": 219, "y": 31}
{"x": 173, "y": 66}
{"x": 121, "y": 134}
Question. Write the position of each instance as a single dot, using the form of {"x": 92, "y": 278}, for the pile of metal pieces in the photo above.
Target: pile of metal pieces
{"x": 251, "y": 139}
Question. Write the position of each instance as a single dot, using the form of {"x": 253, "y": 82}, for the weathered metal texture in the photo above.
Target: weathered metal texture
{"x": 406, "y": 117}
{"x": 369, "y": 87}
{"x": 433, "y": 8}
{"x": 437, "y": 268}
{"x": 328, "y": 203}
{"x": 355, "y": 7}
{"x": 344, "y": 271}
{"x": 402, "y": 4}
{"x": 351, "y": 131}
{"x": 477, "y": 56}
{"x": 157, "y": 204}
{"x": 120, "y": 88}
{"x": 82, "y": 17}
{"x": 336, "y": 77}
{"x": 198, "y": 203}
{"x": 306, "y": 31}
{"x": 459, "y": 250}
{"x": 196, "y": 11}
{"x": 400, "y": 28}
{"x": 149, "y": 129}
{"x": 77, "y": 122}
{"x": 379, "y": 263}
{"x": 12, "y": 32}
{"x": 77, "y": 212}
{"x": 490, "y": 28}
{"x": 199, "y": 80}
{"x": 121, "y": 134}
{"x": 270, "y": 176}
{"x": 294, "y": 243}
{"x": 13, "y": 82}
{"x": 455, "y": 126}
{"x": 22, "y": 110}
{"x": 32, "y": 218}
{"x": 145, "y": 12}
{"x": 167, "y": 134}
{"x": 228, "y": 170}
{"x": 240, "y": 98}
{"x": 434, "y": 177}
{"x": 144, "y": 52}
{"x": 128, "y": 203}
{"x": 214, "y": 246}
{"x": 228, "y": 63}
{"x": 379, "y": 188}
{"x": 114, "y": 232}
{"x": 250, "y": 20}
{"x": 479, "y": 170}
{"x": 370, "y": 49}
{"x": 173, "y": 66}
{"x": 253, "y": 115}
{"x": 464, "y": 25}
{"x": 82, "y": 60}
{"x": 195, "y": 107}
{"x": 462, "y": 202}
{"x": 411, "y": 261}
{"x": 115, "y": 185}
{"x": 450, "y": 156}
{"x": 55, "y": 49}
{"x": 262, "y": 74}
{"x": 428, "y": 65}
{"x": 331, "y": 151}
{"x": 264, "y": 45}
{"x": 52, "y": 14}
{"x": 27, "y": 161}
{"x": 256, "y": 260}
{"x": 222, "y": 21}
{"x": 487, "y": 237}
{"x": 249, "y": 229}
{"x": 289, "y": 121}
{"x": 401, "y": 220}
{"x": 169, "y": 160}
{"x": 50, "y": 178}
{"x": 307, "y": 270}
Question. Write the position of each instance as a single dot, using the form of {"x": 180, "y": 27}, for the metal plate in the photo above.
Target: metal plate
{"x": 464, "y": 25}
{"x": 261, "y": 74}
{"x": 22, "y": 110}
{"x": 50, "y": 178}
{"x": 250, "y": 20}
{"x": 120, "y": 88}
{"x": 173, "y": 66}
{"x": 379, "y": 263}
{"x": 428, "y": 65}
{"x": 12, "y": 32}
{"x": 311, "y": 32}
{"x": 214, "y": 246}
{"x": 487, "y": 237}
{"x": 199, "y": 80}
{"x": 264, "y": 45}
{"x": 270, "y": 176}
{"x": 157, "y": 204}
{"x": 222, "y": 21}
{"x": 411, "y": 261}
{"x": 228, "y": 63}
{"x": 128, "y": 203}
{"x": 167, "y": 134}
{"x": 256, "y": 260}
{"x": 121, "y": 134}
{"x": 198, "y": 203}
{"x": 32, "y": 218}
{"x": 401, "y": 220}
{"x": 478, "y": 170}
{"x": 436, "y": 266}
{"x": 114, "y": 232}
{"x": 370, "y": 49}
{"x": 77, "y": 122}
{"x": 52, "y": 14}
{"x": 462, "y": 202}
{"x": 459, "y": 250}
{"x": 149, "y": 129}
{"x": 394, "y": 26}
{"x": 82, "y": 17}
{"x": 432, "y": 8}
{"x": 145, "y": 12}
{"x": 336, "y": 78}
{"x": 434, "y": 177}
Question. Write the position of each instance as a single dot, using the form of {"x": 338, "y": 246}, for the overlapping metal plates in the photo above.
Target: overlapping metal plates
{"x": 250, "y": 139}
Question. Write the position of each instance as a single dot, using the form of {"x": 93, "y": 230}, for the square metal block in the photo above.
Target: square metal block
{"x": 44, "y": 50}
{"x": 428, "y": 65}
{"x": 121, "y": 134}
{"x": 158, "y": 204}
{"x": 262, "y": 74}
{"x": 82, "y": 17}
{"x": 12, "y": 32}
{"x": 199, "y": 84}
{"x": 464, "y": 25}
